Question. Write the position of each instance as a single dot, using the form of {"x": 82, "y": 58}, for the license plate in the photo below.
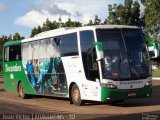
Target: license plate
{"x": 131, "y": 94}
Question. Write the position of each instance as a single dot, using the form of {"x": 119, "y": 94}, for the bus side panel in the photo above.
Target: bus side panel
{"x": 47, "y": 76}
{"x": 89, "y": 90}
{"x": 14, "y": 73}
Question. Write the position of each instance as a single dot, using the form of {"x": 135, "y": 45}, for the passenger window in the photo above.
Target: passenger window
{"x": 89, "y": 55}
{"x": 13, "y": 53}
{"x": 68, "y": 44}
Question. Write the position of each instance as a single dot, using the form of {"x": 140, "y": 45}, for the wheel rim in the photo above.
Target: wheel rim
{"x": 76, "y": 95}
{"x": 20, "y": 89}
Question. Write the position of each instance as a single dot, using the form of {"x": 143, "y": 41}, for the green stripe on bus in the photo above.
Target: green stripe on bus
{"x": 12, "y": 84}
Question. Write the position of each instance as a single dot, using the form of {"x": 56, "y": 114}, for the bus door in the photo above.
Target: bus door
{"x": 91, "y": 87}
{"x": 12, "y": 66}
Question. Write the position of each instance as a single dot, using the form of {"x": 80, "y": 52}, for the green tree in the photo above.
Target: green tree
{"x": 127, "y": 14}
{"x": 55, "y": 25}
{"x": 90, "y": 23}
{"x": 113, "y": 14}
{"x": 97, "y": 21}
{"x": 60, "y": 23}
{"x": 10, "y": 37}
{"x": 16, "y": 36}
{"x": 34, "y": 32}
{"x": 47, "y": 25}
{"x": 39, "y": 29}
{"x": 152, "y": 15}
{"x": 71, "y": 23}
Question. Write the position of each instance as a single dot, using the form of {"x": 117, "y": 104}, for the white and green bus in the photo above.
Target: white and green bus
{"x": 106, "y": 63}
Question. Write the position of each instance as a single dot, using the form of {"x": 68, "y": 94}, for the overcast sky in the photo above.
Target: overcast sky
{"x": 22, "y": 15}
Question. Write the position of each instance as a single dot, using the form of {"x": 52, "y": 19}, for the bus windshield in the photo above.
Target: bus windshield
{"x": 125, "y": 54}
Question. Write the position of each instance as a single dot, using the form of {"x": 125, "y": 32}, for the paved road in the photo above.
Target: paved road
{"x": 53, "y": 108}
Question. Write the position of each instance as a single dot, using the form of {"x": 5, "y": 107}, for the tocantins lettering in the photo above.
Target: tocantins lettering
{"x": 12, "y": 68}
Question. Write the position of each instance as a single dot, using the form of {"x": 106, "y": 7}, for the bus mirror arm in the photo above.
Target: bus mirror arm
{"x": 100, "y": 56}
{"x": 99, "y": 59}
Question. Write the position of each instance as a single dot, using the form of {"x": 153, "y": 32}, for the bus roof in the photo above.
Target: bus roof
{"x": 111, "y": 27}
{"x": 13, "y": 42}
{"x": 66, "y": 30}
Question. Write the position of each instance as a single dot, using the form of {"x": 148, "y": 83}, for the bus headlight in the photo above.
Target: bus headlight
{"x": 149, "y": 83}
{"x": 109, "y": 85}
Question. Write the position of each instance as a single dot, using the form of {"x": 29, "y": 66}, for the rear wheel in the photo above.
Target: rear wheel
{"x": 21, "y": 93}
{"x": 75, "y": 96}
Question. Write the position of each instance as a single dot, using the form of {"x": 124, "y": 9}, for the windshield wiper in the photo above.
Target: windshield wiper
{"x": 133, "y": 70}
{"x": 120, "y": 64}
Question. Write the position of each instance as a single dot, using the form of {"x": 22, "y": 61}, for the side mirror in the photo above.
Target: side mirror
{"x": 151, "y": 51}
{"x": 99, "y": 46}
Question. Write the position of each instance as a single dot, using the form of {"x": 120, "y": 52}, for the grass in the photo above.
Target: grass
{"x": 156, "y": 73}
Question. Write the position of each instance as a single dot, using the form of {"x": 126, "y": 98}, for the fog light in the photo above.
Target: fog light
{"x": 147, "y": 95}
{"x": 108, "y": 98}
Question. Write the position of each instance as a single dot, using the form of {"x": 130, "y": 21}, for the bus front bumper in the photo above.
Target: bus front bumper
{"x": 112, "y": 95}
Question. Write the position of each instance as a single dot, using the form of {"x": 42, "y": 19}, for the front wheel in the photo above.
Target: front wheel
{"x": 75, "y": 96}
{"x": 21, "y": 93}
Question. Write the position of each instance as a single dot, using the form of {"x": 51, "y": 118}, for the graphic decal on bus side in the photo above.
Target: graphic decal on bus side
{"x": 44, "y": 68}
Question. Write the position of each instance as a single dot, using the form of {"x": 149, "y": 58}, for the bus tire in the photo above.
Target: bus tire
{"x": 21, "y": 93}
{"x": 75, "y": 96}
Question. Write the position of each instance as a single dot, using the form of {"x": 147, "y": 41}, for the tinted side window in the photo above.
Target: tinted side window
{"x": 89, "y": 55}
{"x": 13, "y": 53}
{"x": 68, "y": 44}
{"x": 87, "y": 39}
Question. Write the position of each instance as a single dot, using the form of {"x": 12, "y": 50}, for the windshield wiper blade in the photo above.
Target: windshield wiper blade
{"x": 133, "y": 70}
{"x": 120, "y": 64}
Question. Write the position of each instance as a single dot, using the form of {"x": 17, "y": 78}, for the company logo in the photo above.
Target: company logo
{"x": 148, "y": 116}
{"x": 130, "y": 82}
{"x": 12, "y": 68}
